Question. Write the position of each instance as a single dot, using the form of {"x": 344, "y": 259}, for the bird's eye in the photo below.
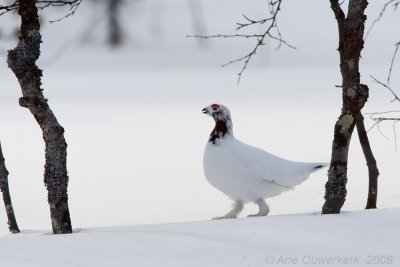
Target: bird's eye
{"x": 214, "y": 106}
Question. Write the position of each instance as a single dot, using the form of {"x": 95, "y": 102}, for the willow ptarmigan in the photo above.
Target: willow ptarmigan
{"x": 246, "y": 173}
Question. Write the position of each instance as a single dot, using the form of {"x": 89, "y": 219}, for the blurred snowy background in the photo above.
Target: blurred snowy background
{"x": 133, "y": 117}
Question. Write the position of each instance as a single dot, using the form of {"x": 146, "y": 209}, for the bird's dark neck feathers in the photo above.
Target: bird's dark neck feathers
{"x": 222, "y": 128}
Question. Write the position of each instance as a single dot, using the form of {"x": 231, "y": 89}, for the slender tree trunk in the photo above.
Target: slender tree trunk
{"x": 198, "y": 21}
{"x": 354, "y": 97}
{"x": 22, "y": 61}
{"x": 115, "y": 32}
{"x": 373, "y": 171}
{"x": 12, "y": 222}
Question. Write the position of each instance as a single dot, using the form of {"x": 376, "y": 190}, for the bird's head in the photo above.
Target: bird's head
{"x": 218, "y": 112}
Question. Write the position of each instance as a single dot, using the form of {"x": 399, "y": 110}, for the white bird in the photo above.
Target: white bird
{"x": 246, "y": 173}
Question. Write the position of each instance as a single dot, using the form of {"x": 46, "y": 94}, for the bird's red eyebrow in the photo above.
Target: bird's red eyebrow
{"x": 215, "y": 106}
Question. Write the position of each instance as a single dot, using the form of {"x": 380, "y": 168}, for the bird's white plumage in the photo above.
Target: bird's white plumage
{"x": 246, "y": 173}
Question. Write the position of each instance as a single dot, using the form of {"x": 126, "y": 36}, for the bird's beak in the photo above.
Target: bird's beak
{"x": 205, "y": 111}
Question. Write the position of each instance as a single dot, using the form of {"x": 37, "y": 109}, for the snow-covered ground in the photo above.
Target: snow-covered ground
{"x": 135, "y": 155}
{"x": 363, "y": 238}
{"x": 136, "y": 136}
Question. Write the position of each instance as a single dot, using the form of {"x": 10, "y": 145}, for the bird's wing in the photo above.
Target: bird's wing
{"x": 270, "y": 168}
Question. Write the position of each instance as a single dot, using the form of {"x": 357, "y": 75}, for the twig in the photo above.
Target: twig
{"x": 392, "y": 62}
{"x": 73, "y": 7}
{"x": 274, "y": 8}
{"x": 395, "y": 5}
{"x": 251, "y": 22}
{"x": 380, "y": 118}
{"x": 387, "y": 87}
{"x": 394, "y": 133}
{"x": 9, "y": 8}
{"x": 379, "y": 129}
{"x": 226, "y": 36}
{"x": 42, "y": 4}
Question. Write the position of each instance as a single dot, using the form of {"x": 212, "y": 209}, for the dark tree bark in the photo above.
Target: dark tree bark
{"x": 354, "y": 97}
{"x": 12, "y": 222}
{"x": 115, "y": 31}
{"x": 22, "y": 61}
{"x": 373, "y": 171}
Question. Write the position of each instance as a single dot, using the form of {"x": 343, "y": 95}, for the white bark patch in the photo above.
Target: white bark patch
{"x": 56, "y": 226}
{"x": 351, "y": 64}
{"x": 345, "y": 122}
{"x": 373, "y": 191}
{"x": 351, "y": 92}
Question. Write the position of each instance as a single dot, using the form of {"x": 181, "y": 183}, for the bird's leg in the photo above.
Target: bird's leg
{"x": 263, "y": 208}
{"x": 237, "y": 208}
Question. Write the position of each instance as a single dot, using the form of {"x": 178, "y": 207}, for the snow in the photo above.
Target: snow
{"x": 135, "y": 158}
{"x": 136, "y": 136}
{"x": 302, "y": 238}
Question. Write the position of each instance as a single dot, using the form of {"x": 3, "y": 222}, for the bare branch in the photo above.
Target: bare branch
{"x": 340, "y": 18}
{"x": 378, "y": 117}
{"x": 394, "y": 133}
{"x": 396, "y": 98}
{"x": 393, "y": 58}
{"x": 225, "y": 36}
{"x": 42, "y": 4}
{"x": 395, "y": 5}
{"x": 251, "y": 22}
{"x": 271, "y": 31}
{"x": 9, "y": 8}
{"x": 380, "y": 131}
{"x": 73, "y": 6}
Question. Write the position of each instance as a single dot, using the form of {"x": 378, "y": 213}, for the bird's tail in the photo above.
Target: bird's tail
{"x": 317, "y": 166}
{"x": 303, "y": 171}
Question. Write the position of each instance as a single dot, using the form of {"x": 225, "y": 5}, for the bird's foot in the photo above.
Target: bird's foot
{"x": 257, "y": 215}
{"x": 224, "y": 217}
{"x": 263, "y": 208}
{"x": 237, "y": 208}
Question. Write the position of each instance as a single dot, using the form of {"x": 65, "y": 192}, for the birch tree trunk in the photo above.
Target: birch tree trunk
{"x": 12, "y": 222}
{"x": 115, "y": 31}
{"x": 354, "y": 97}
{"x": 22, "y": 61}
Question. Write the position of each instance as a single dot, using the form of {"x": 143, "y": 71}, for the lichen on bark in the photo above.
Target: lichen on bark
{"x": 345, "y": 122}
{"x": 22, "y": 61}
{"x": 354, "y": 97}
